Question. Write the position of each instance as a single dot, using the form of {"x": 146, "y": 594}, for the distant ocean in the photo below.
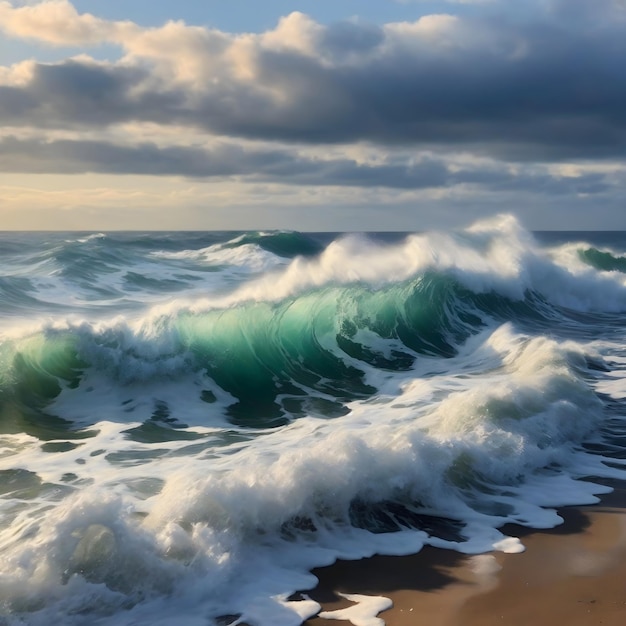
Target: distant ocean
{"x": 190, "y": 422}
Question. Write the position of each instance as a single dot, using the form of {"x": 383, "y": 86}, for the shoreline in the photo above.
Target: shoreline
{"x": 575, "y": 573}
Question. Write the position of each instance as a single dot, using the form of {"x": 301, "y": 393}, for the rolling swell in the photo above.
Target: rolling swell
{"x": 33, "y": 372}
{"x": 303, "y": 355}
{"x": 318, "y": 343}
{"x": 602, "y": 260}
{"x": 287, "y": 244}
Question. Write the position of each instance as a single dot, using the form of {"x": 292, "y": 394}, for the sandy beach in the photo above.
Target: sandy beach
{"x": 574, "y": 574}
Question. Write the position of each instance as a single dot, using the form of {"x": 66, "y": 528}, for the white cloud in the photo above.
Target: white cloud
{"x": 297, "y": 32}
{"x": 195, "y": 54}
{"x": 17, "y": 75}
{"x": 55, "y": 22}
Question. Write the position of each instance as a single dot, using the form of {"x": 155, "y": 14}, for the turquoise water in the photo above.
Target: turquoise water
{"x": 190, "y": 422}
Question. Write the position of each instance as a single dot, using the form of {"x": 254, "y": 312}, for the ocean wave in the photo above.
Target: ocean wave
{"x": 603, "y": 260}
{"x": 260, "y": 412}
{"x": 386, "y": 478}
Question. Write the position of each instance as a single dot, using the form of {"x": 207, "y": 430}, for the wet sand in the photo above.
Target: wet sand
{"x": 573, "y": 575}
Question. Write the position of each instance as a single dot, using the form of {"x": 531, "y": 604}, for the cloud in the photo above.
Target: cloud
{"x": 227, "y": 160}
{"x": 511, "y": 91}
{"x": 221, "y": 160}
{"x": 588, "y": 13}
{"x": 55, "y": 22}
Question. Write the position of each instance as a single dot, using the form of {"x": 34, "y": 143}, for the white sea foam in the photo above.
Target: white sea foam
{"x": 201, "y": 530}
{"x": 212, "y": 518}
{"x": 363, "y": 612}
{"x": 94, "y": 236}
{"x": 249, "y": 257}
{"x": 497, "y": 256}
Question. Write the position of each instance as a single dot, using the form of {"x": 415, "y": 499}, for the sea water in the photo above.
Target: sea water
{"x": 191, "y": 422}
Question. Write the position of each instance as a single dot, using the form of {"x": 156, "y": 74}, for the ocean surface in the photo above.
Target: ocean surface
{"x": 191, "y": 422}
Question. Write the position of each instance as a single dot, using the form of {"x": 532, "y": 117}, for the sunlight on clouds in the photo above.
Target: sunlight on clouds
{"x": 242, "y": 58}
{"x": 129, "y": 133}
{"x": 197, "y": 55}
{"x": 98, "y": 201}
{"x": 105, "y": 202}
{"x": 296, "y": 31}
{"x": 360, "y": 153}
{"x": 306, "y": 114}
{"x": 162, "y": 135}
{"x": 18, "y": 74}
{"x": 576, "y": 170}
{"x": 429, "y": 26}
{"x": 443, "y": 33}
{"x": 191, "y": 54}
{"x": 242, "y": 67}
{"x": 55, "y": 22}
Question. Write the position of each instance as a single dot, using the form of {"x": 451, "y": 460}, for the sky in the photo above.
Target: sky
{"x": 313, "y": 115}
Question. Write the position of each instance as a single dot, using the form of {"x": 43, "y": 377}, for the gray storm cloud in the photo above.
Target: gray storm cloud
{"x": 278, "y": 165}
{"x": 545, "y": 92}
{"x": 511, "y": 99}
